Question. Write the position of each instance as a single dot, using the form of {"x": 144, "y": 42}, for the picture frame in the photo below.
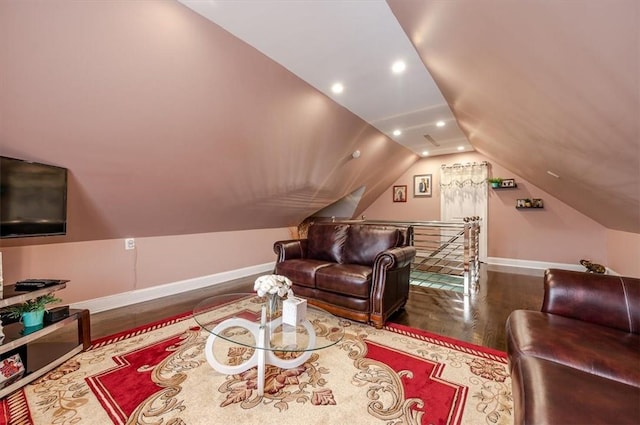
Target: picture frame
{"x": 508, "y": 183}
{"x": 11, "y": 370}
{"x": 422, "y": 185}
{"x": 537, "y": 203}
{"x": 399, "y": 193}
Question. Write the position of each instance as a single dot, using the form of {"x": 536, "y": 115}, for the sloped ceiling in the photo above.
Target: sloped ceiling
{"x": 547, "y": 89}
{"x": 170, "y": 125}
{"x": 356, "y": 44}
{"x": 544, "y": 86}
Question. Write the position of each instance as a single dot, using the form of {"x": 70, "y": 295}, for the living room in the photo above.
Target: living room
{"x": 189, "y": 152}
{"x": 237, "y": 167}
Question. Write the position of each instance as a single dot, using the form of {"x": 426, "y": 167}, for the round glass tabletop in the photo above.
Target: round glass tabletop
{"x": 240, "y": 319}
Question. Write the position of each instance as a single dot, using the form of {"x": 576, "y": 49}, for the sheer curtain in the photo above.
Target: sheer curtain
{"x": 463, "y": 192}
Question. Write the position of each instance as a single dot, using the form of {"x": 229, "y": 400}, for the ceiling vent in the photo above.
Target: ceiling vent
{"x": 431, "y": 140}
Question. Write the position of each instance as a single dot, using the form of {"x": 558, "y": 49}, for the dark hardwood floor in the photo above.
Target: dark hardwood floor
{"x": 478, "y": 319}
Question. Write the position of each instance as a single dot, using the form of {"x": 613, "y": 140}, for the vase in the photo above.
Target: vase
{"x": 274, "y": 306}
{"x": 32, "y": 318}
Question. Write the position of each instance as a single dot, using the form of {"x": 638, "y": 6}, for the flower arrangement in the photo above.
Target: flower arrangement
{"x": 273, "y": 284}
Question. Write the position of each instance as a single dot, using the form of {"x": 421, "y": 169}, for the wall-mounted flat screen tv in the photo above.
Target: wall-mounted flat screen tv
{"x": 33, "y": 199}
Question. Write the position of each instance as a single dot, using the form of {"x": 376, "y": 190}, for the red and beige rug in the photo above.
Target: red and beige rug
{"x": 159, "y": 375}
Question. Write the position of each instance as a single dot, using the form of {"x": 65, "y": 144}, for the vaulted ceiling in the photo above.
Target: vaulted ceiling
{"x": 359, "y": 45}
{"x": 169, "y": 124}
{"x": 548, "y": 89}
{"x": 527, "y": 84}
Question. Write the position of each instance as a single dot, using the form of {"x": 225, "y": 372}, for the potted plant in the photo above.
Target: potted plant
{"x": 31, "y": 312}
{"x": 495, "y": 181}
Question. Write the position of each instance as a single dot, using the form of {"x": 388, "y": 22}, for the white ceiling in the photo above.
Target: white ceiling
{"x": 364, "y": 40}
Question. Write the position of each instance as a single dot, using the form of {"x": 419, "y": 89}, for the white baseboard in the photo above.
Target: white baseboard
{"x": 529, "y": 264}
{"x": 541, "y": 265}
{"x": 97, "y": 305}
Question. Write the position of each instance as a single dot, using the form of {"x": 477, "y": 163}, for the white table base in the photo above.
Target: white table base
{"x": 261, "y": 356}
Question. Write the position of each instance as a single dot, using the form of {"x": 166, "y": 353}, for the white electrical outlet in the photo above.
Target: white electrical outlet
{"x": 129, "y": 243}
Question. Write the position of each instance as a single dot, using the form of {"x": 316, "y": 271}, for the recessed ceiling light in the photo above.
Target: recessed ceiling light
{"x": 337, "y": 88}
{"x": 397, "y": 132}
{"x": 425, "y": 153}
{"x": 460, "y": 148}
{"x": 441, "y": 123}
{"x": 398, "y": 67}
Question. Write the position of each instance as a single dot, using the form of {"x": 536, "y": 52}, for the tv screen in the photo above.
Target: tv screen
{"x": 33, "y": 199}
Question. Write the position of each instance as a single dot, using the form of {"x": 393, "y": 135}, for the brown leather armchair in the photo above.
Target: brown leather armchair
{"x": 357, "y": 271}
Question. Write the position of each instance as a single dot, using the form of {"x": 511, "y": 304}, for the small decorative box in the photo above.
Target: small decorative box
{"x": 11, "y": 369}
{"x": 294, "y": 311}
{"x": 289, "y": 335}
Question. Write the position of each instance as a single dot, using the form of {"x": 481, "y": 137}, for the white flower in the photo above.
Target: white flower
{"x": 273, "y": 284}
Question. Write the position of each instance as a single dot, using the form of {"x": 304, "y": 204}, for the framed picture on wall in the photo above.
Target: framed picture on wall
{"x": 400, "y": 193}
{"x": 422, "y": 185}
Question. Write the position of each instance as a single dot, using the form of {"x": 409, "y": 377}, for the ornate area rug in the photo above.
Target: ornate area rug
{"x": 158, "y": 375}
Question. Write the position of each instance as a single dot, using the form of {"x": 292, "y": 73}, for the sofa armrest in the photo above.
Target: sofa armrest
{"x": 605, "y": 300}
{"x": 390, "y": 282}
{"x": 290, "y": 249}
{"x": 394, "y": 258}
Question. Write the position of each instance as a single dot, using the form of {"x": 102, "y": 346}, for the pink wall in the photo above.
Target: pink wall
{"x": 557, "y": 233}
{"x": 415, "y": 209}
{"x": 624, "y": 252}
{"x": 101, "y": 268}
{"x": 169, "y": 125}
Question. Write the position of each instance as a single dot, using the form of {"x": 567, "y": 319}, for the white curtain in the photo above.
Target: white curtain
{"x": 463, "y": 192}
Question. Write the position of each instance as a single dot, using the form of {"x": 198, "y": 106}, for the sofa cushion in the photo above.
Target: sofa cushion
{"x": 351, "y": 280}
{"x": 325, "y": 241}
{"x": 545, "y": 392}
{"x": 301, "y": 272}
{"x": 595, "y": 349}
{"x": 365, "y": 242}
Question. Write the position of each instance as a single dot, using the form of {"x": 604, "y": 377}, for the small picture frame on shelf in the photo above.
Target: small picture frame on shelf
{"x": 536, "y": 203}
{"x": 400, "y": 193}
{"x": 520, "y": 203}
{"x": 11, "y": 369}
{"x": 508, "y": 183}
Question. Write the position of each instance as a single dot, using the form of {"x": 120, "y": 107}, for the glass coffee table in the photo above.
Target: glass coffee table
{"x": 240, "y": 319}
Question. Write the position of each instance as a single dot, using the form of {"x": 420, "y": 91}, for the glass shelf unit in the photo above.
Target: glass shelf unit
{"x": 46, "y": 347}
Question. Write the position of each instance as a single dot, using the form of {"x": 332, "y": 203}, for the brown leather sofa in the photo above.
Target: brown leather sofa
{"x": 357, "y": 271}
{"x": 578, "y": 360}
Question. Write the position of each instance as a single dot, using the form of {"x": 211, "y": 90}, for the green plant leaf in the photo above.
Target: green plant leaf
{"x": 39, "y": 303}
